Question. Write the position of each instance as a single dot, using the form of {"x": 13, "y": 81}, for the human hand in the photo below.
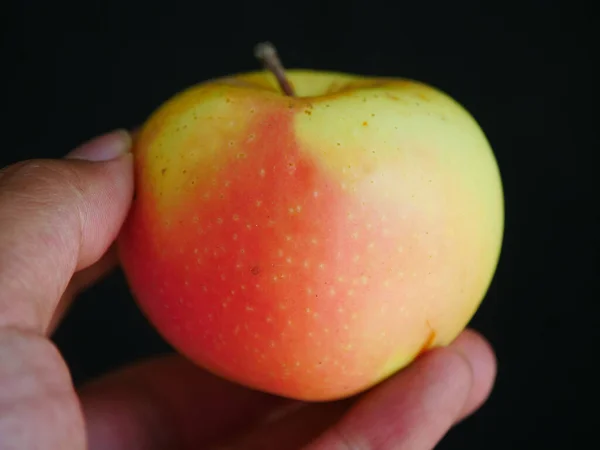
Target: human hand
{"x": 58, "y": 219}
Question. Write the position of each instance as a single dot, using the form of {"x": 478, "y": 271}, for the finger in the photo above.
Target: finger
{"x": 81, "y": 281}
{"x": 416, "y": 408}
{"x": 390, "y": 412}
{"x": 484, "y": 365}
{"x": 56, "y": 218}
{"x": 88, "y": 276}
{"x": 293, "y": 431}
{"x": 169, "y": 403}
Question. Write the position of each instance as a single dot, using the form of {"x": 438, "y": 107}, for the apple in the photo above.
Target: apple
{"x": 310, "y": 233}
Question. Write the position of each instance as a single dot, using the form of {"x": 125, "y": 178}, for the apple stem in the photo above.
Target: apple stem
{"x": 266, "y": 53}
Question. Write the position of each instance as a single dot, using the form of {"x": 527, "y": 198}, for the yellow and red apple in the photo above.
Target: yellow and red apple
{"x": 310, "y": 246}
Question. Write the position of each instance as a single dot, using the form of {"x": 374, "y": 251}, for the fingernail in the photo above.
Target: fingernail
{"x": 103, "y": 148}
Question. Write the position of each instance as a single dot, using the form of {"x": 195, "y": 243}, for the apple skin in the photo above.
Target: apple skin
{"x": 311, "y": 246}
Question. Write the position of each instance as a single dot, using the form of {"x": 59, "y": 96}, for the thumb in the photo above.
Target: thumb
{"x": 58, "y": 217}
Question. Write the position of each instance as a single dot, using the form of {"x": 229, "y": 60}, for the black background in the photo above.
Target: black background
{"x": 523, "y": 69}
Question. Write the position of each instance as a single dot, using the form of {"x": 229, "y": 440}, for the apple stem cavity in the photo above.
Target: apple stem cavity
{"x": 266, "y": 53}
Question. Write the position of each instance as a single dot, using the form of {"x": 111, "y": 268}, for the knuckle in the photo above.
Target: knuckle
{"x": 38, "y": 404}
{"x": 28, "y": 354}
